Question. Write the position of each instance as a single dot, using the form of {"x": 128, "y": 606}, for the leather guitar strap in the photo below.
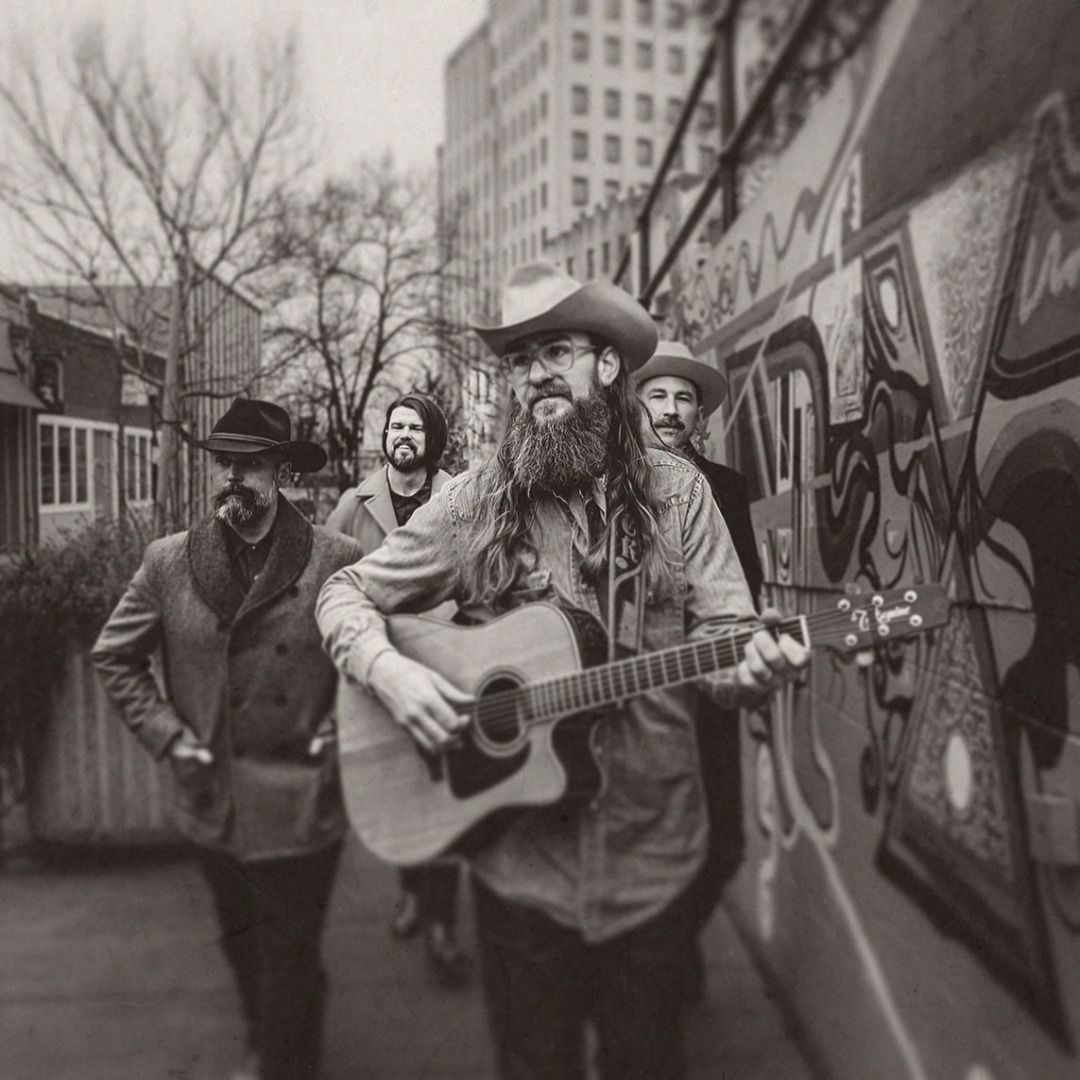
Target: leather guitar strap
{"x": 624, "y": 595}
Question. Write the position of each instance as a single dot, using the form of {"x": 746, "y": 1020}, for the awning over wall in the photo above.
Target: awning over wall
{"x": 13, "y": 391}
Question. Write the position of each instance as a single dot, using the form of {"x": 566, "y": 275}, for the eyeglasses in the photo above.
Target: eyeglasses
{"x": 554, "y": 356}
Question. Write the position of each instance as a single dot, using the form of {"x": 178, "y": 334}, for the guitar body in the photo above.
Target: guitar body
{"x": 408, "y": 805}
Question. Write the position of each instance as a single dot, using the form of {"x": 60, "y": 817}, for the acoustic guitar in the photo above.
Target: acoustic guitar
{"x": 539, "y": 679}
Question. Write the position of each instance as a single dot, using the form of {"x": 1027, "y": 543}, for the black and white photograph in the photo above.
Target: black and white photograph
{"x": 539, "y": 540}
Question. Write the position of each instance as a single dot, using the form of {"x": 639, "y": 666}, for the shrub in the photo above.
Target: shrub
{"x": 57, "y": 595}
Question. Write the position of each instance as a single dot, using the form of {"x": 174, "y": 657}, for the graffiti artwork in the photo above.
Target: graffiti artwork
{"x": 905, "y": 400}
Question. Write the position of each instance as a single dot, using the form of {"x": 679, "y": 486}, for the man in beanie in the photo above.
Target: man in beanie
{"x": 246, "y": 721}
{"x": 414, "y": 438}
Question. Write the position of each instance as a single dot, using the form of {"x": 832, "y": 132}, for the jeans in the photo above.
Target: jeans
{"x": 271, "y": 914}
{"x": 543, "y": 982}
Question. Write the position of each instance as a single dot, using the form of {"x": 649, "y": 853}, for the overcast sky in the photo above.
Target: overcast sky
{"x": 374, "y": 67}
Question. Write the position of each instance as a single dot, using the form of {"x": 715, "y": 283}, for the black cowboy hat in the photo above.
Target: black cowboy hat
{"x": 250, "y": 426}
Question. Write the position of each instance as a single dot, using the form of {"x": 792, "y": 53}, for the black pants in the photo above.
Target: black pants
{"x": 543, "y": 983}
{"x": 719, "y": 749}
{"x": 271, "y": 915}
{"x": 435, "y": 886}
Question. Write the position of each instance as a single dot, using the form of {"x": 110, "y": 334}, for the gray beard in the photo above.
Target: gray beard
{"x": 244, "y": 507}
{"x": 561, "y": 454}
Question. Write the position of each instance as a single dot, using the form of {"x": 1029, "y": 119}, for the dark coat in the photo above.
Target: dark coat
{"x": 731, "y": 493}
{"x": 246, "y": 673}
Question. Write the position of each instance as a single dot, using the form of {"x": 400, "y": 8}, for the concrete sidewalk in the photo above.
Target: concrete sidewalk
{"x": 110, "y": 970}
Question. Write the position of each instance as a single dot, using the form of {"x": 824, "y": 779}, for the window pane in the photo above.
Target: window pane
{"x": 644, "y": 55}
{"x": 579, "y": 46}
{"x": 644, "y": 107}
{"x": 579, "y": 146}
{"x": 580, "y": 191}
{"x": 612, "y": 104}
{"x": 644, "y": 152}
{"x": 579, "y": 100}
{"x": 82, "y": 467}
{"x": 676, "y": 60}
{"x": 47, "y": 463}
{"x": 645, "y": 12}
{"x": 63, "y": 442}
{"x": 613, "y": 50}
{"x": 612, "y": 149}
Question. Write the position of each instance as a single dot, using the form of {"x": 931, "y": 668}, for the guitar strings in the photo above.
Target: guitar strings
{"x": 559, "y": 696}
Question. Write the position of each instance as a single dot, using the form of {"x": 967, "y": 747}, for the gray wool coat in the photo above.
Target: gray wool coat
{"x": 246, "y": 673}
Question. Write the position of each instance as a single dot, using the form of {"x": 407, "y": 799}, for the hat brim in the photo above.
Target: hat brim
{"x": 712, "y": 386}
{"x": 304, "y": 457}
{"x": 598, "y": 308}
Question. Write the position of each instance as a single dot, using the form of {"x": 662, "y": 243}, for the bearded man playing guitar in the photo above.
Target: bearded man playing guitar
{"x": 579, "y": 900}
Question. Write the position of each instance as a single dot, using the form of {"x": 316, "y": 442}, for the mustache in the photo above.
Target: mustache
{"x": 554, "y": 388}
{"x": 673, "y": 424}
{"x": 404, "y": 441}
{"x": 234, "y": 491}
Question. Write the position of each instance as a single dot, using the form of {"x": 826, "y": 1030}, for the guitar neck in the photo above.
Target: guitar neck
{"x": 605, "y": 684}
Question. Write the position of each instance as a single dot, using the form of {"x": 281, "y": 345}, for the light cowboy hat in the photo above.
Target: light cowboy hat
{"x": 539, "y": 297}
{"x": 250, "y": 426}
{"x": 674, "y": 358}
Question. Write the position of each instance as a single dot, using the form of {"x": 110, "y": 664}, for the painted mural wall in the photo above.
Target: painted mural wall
{"x": 898, "y": 313}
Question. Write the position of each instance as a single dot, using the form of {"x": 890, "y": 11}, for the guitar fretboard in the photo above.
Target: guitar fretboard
{"x": 605, "y": 684}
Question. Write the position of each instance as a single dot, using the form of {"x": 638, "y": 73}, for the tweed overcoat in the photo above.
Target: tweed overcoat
{"x": 246, "y": 673}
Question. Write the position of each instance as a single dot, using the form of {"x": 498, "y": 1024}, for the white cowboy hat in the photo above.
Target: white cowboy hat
{"x": 540, "y": 296}
{"x": 674, "y": 358}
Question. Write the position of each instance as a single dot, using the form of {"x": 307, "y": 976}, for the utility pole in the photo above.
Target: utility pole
{"x": 167, "y": 501}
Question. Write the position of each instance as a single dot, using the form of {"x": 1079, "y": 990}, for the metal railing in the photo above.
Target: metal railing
{"x": 734, "y": 133}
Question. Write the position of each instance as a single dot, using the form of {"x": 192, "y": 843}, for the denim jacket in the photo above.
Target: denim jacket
{"x": 613, "y": 864}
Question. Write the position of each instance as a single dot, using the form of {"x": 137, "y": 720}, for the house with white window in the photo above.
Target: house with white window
{"x": 95, "y": 441}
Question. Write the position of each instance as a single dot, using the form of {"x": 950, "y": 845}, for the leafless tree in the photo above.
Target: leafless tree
{"x": 357, "y": 303}
{"x": 139, "y": 186}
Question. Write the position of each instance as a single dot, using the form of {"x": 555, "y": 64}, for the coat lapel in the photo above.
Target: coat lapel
{"x": 374, "y": 494}
{"x": 209, "y": 560}
{"x": 288, "y": 557}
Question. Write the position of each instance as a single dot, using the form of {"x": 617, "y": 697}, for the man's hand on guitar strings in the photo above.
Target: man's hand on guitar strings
{"x": 770, "y": 660}
{"x": 420, "y": 700}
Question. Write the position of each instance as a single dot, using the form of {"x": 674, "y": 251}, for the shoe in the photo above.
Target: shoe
{"x": 449, "y": 964}
{"x": 249, "y": 1070}
{"x": 406, "y": 921}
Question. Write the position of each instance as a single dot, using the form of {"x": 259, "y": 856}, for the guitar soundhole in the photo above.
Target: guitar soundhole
{"x": 497, "y": 723}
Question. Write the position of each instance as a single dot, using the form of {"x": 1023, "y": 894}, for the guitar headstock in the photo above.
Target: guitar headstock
{"x": 861, "y": 620}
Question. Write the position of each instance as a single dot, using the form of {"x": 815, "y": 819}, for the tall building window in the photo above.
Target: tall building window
{"x": 612, "y": 149}
{"x": 644, "y": 108}
{"x": 579, "y": 192}
{"x": 543, "y": 105}
{"x": 706, "y": 116}
{"x": 543, "y": 52}
{"x": 611, "y": 188}
{"x": 579, "y": 45}
{"x": 605, "y": 257}
{"x": 707, "y": 157}
{"x": 532, "y": 203}
{"x": 674, "y": 109}
{"x": 646, "y": 12}
{"x": 643, "y": 152}
{"x": 613, "y": 51}
{"x": 612, "y": 104}
{"x": 590, "y": 265}
{"x": 644, "y": 56}
{"x": 676, "y": 59}
{"x": 543, "y": 195}
{"x": 581, "y": 7}
{"x": 613, "y": 9}
{"x": 543, "y": 150}
{"x": 579, "y": 145}
{"x": 579, "y": 100}
{"x": 676, "y": 15}
{"x": 570, "y": 263}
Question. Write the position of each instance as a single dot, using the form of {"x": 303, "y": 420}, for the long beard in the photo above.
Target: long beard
{"x": 243, "y": 505}
{"x": 563, "y": 453}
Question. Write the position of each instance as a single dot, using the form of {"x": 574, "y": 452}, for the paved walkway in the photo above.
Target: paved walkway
{"x": 109, "y": 970}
